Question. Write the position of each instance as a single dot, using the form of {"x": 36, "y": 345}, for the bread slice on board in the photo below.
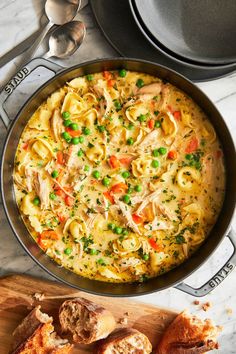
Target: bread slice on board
{"x": 87, "y": 321}
{"x": 125, "y": 341}
{"x": 35, "y": 334}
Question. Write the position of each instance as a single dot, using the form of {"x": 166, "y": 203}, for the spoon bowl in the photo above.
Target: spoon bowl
{"x": 60, "y": 12}
{"x": 66, "y": 39}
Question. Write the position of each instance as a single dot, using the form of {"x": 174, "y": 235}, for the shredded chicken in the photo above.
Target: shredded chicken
{"x": 148, "y": 199}
{"x": 152, "y": 89}
{"x": 158, "y": 224}
{"x": 42, "y": 188}
{"x": 57, "y": 125}
{"x": 127, "y": 214}
{"x": 149, "y": 140}
{"x": 29, "y": 178}
{"x": 125, "y": 263}
{"x": 106, "y": 100}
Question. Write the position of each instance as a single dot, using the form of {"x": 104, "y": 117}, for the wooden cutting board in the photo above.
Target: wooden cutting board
{"x": 16, "y": 301}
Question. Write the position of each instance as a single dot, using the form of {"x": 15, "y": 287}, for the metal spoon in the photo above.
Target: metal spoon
{"x": 58, "y": 12}
{"x": 66, "y": 39}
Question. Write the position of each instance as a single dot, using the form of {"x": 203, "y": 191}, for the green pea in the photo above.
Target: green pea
{"x": 106, "y": 181}
{"x": 89, "y": 77}
{"x": 118, "y": 230}
{"x": 162, "y": 150}
{"x": 125, "y": 174}
{"x": 198, "y": 165}
{"x": 126, "y": 198}
{"x": 157, "y": 124}
{"x": 55, "y": 174}
{"x": 146, "y": 257}
{"x": 81, "y": 139}
{"x": 74, "y": 126}
{"x": 155, "y": 153}
{"x": 36, "y": 201}
{"x": 130, "y": 141}
{"x": 75, "y": 141}
{"x": 118, "y": 105}
{"x": 96, "y": 174}
{"x": 111, "y": 226}
{"x": 101, "y": 128}
{"x": 52, "y": 196}
{"x": 139, "y": 83}
{"x": 86, "y": 168}
{"x": 86, "y": 131}
{"x": 125, "y": 232}
{"x": 130, "y": 126}
{"x": 138, "y": 188}
{"x": 66, "y": 136}
{"x": 122, "y": 73}
{"x": 142, "y": 118}
{"x": 65, "y": 115}
{"x": 80, "y": 153}
{"x": 189, "y": 156}
{"x": 155, "y": 163}
{"x": 101, "y": 262}
{"x": 68, "y": 251}
{"x": 67, "y": 122}
{"x": 93, "y": 252}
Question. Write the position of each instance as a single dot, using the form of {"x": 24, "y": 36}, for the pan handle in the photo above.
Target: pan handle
{"x": 217, "y": 278}
{"x": 18, "y": 78}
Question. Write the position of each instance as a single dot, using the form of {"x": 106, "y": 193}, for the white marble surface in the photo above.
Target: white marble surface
{"x": 18, "y": 19}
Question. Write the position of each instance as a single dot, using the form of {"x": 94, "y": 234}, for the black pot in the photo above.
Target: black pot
{"x": 174, "y": 277}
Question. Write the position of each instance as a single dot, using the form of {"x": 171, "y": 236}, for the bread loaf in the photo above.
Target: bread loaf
{"x": 188, "y": 334}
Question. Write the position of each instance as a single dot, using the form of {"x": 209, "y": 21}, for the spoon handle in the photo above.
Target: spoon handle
{"x": 28, "y": 55}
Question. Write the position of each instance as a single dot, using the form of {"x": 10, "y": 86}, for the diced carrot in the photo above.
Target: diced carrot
{"x": 177, "y": 115}
{"x": 109, "y": 197}
{"x": 151, "y": 123}
{"x": 192, "y": 146}
{"x": 60, "y": 158}
{"x": 119, "y": 188}
{"x": 107, "y": 75}
{"x": 59, "y": 192}
{"x": 69, "y": 201}
{"x": 218, "y": 154}
{"x": 114, "y": 162}
{"x": 59, "y": 178}
{"x": 73, "y": 133}
{"x": 137, "y": 219}
{"x": 61, "y": 218}
{"x": 111, "y": 82}
{"x": 154, "y": 245}
{"x": 125, "y": 160}
{"x": 172, "y": 155}
{"x": 51, "y": 234}
{"x": 25, "y": 146}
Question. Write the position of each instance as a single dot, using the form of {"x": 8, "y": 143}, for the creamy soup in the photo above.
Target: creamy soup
{"x": 119, "y": 176}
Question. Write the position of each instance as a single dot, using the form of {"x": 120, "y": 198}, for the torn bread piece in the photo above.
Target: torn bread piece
{"x": 35, "y": 334}
{"x": 87, "y": 321}
{"x": 125, "y": 341}
{"x": 188, "y": 334}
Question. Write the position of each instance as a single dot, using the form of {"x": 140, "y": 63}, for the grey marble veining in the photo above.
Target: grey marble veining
{"x": 18, "y": 19}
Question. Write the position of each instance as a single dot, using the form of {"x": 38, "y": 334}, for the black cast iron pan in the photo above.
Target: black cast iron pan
{"x": 201, "y": 31}
{"x": 15, "y": 127}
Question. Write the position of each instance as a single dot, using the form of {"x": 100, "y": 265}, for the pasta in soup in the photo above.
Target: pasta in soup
{"x": 119, "y": 176}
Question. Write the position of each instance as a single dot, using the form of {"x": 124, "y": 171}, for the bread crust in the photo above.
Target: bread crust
{"x": 188, "y": 334}
{"x": 87, "y": 321}
{"x": 125, "y": 341}
{"x": 35, "y": 335}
